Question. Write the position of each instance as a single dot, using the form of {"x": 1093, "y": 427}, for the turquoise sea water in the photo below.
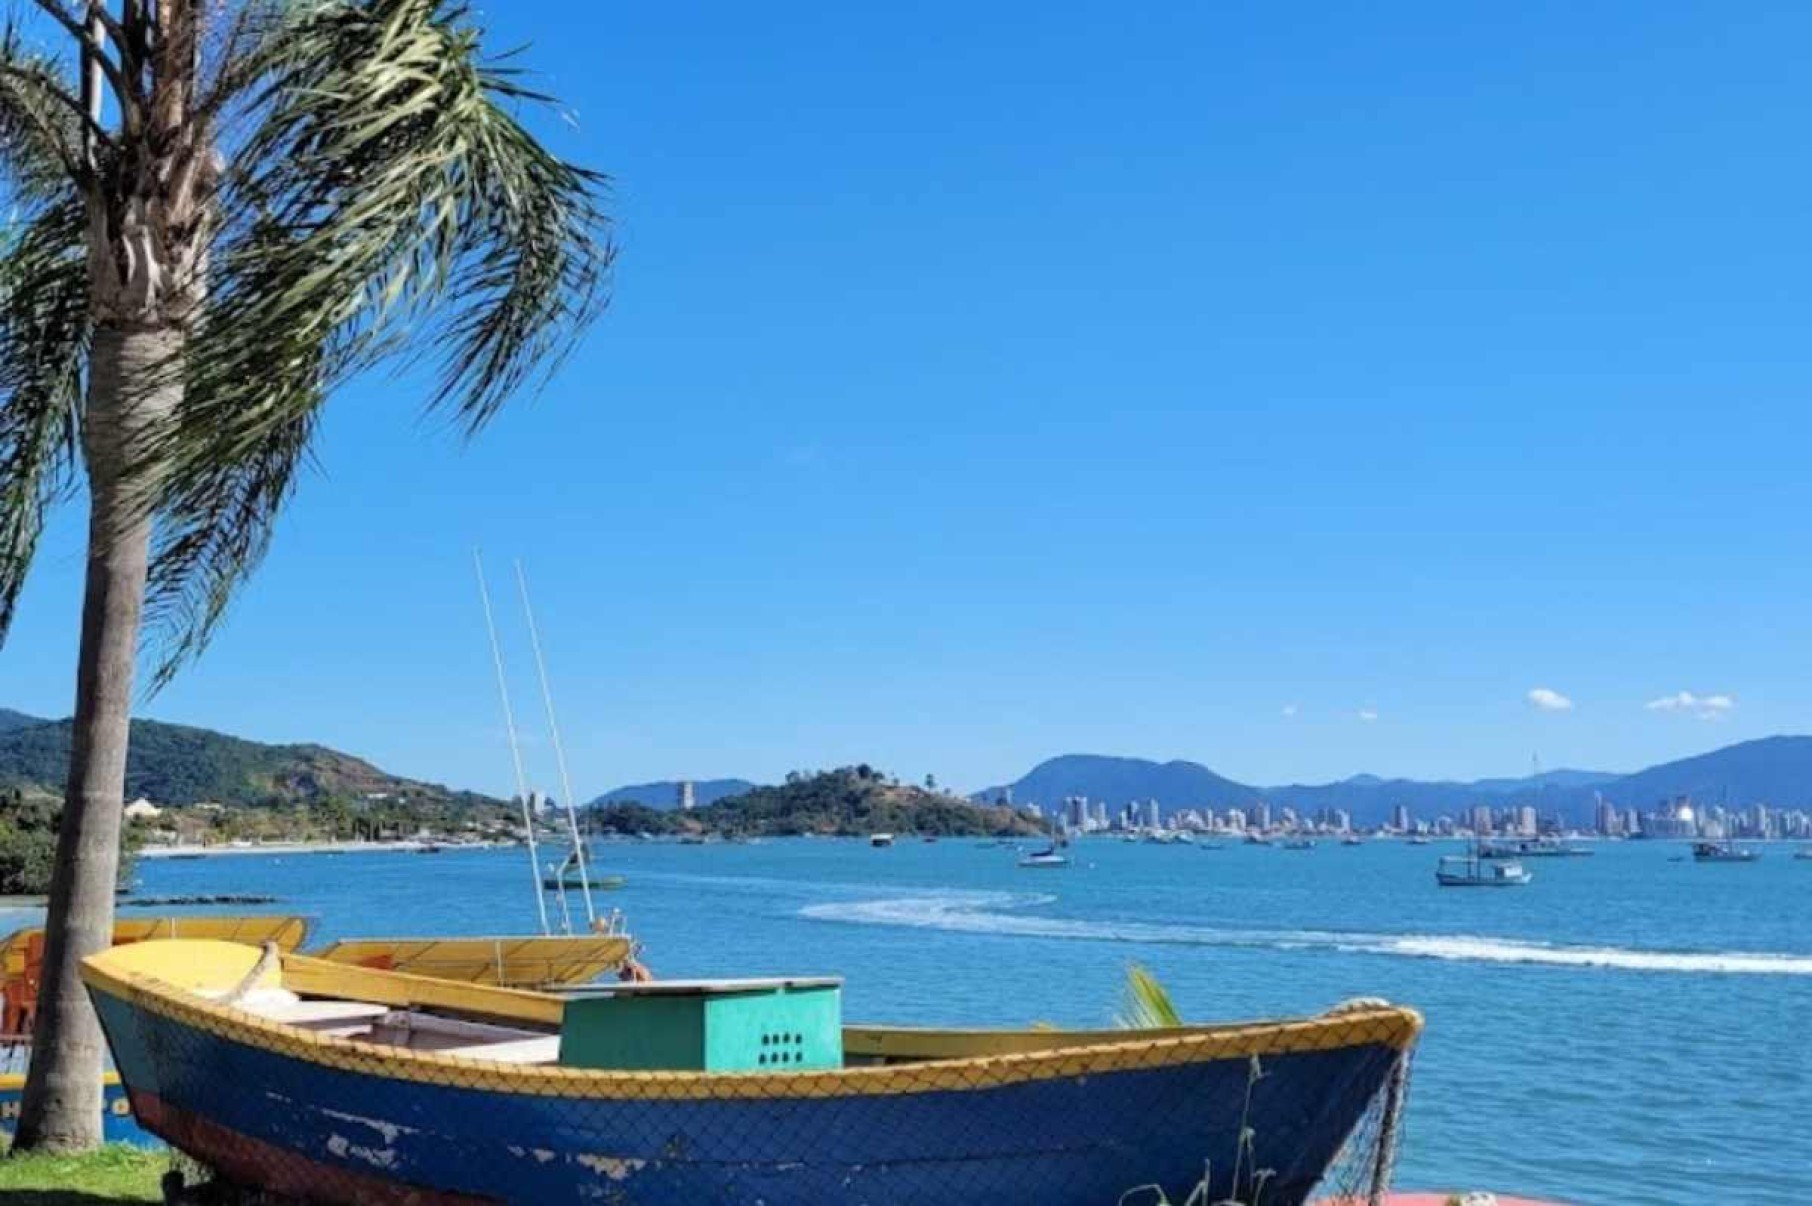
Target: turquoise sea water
{"x": 1629, "y": 1028}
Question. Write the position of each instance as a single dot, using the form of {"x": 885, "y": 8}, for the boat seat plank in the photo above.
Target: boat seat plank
{"x": 542, "y": 1050}
{"x": 322, "y": 1013}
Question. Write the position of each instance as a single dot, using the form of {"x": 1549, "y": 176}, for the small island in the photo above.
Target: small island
{"x": 850, "y": 801}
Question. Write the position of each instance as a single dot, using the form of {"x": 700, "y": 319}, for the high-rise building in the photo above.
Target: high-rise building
{"x": 1525, "y": 820}
{"x": 1259, "y": 815}
{"x": 1609, "y": 824}
{"x": 1100, "y": 814}
{"x": 1399, "y": 818}
{"x": 1481, "y": 819}
{"x": 688, "y": 799}
{"x": 1154, "y": 815}
{"x": 1075, "y": 812}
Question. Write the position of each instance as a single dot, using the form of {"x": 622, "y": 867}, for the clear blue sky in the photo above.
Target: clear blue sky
{"x": 989, "y": 382}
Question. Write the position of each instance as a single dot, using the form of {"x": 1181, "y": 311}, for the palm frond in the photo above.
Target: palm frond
{"x": 384, "y": 205}
{"x": 44, "y": 337}
{"x": 213, "y": 530}
{"x": 1145, "y": 1003}
{"x": 40, "y": 121}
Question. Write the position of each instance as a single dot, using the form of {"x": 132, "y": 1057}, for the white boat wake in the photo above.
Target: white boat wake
{"x": 1005, "y": 913}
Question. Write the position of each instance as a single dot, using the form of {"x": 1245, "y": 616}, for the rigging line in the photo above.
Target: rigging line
{"x": 566, "y": 783}
{"x": 509, "y": 724}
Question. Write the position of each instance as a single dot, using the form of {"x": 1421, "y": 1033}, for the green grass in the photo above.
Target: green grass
{"x": 112, "y": 1174}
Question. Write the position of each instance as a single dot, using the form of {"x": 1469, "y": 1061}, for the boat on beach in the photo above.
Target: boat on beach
{"x": 547, "y": 962}
{"x": 335, "y": 1084}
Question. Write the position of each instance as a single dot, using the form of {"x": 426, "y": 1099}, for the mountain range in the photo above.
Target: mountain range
{"x": 1772, "y": 770}
{"x": 180, "y": 764}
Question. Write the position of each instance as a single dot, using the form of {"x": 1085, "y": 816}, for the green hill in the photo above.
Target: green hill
{"x": 177, "y": 764}
{"x": 851, "y": 801}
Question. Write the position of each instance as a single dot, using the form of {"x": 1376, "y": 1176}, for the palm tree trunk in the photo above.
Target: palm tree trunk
{"x": 131, "y": 387}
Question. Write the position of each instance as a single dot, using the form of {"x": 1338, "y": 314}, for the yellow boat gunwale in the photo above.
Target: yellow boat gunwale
{"x": 111, "y": 973}
{"x": 480, "y": 959}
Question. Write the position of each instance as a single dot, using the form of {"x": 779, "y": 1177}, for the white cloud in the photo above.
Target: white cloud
{"x": 1549, "y": 700}
{"x": 1705, "y": 707}
{"x": 1289, "y": 709}
{"x": 1368, "y": 714}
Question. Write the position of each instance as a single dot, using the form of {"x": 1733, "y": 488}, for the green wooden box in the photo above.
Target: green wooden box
{"x": 707, "y": 1026}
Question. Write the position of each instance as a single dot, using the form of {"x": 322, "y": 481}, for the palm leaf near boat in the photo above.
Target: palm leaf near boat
{"x": 1146, "y": 1003}
{"x": 342, "y": 1084}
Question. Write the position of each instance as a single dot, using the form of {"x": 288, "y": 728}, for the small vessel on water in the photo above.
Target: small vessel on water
{"x": 1544, "y": 847}
{"x": 1471, "y": 870}
{"x": 1803, "y": 854}
{"x": 880, "y": 840}
{"x": 1352, "y": 840}
{"x": 1299, "y": 844}
{"x": 1048, "y": 857}
{"x": 1723, "y": 852}
{"x": 294, "y": 1077}
{"x": 1419, "y": 840}
{"x": 568, "y": 875}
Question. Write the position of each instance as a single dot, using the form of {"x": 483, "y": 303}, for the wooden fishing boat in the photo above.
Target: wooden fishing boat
{"x": 337, "y": 1084}
{"x": 21, "y": 972}
{"x": 540, "y": 961}
{"x": 551, "y": 962}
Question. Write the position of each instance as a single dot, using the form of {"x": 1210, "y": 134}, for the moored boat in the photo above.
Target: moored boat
{"x": 1472, "y": 871}
{"x": 1532, "y": 848}
{"x": 1723, "y": 852}
{"x": 880, "y": 840}
{"x": 339, "y": 1085}
{"x": 1048, "y": 857}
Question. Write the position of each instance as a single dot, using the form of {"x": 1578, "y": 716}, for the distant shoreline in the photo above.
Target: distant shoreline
{"x": 226, "y": 851}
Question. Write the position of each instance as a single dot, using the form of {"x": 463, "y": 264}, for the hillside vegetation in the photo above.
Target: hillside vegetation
{"x": 178, "y": 764}
{"x": 851, "y": 801}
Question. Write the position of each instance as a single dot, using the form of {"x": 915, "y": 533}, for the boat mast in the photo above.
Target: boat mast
{"x": 509, "y": 724}
{"x": 566, "y": 783}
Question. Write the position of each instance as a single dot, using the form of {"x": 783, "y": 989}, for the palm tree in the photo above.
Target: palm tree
{"x": 222, "y": 210}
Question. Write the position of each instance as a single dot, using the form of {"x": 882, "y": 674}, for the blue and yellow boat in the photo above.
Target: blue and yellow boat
{"x": 521, "y": 961}
{"x": 337, "y": 1083}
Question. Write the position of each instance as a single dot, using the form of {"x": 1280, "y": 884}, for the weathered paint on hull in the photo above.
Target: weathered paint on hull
{"x": 117, "y": 1123}
{"x": 284, "y": 1122}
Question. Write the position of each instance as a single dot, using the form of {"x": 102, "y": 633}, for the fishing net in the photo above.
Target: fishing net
{"x": 1262, "y": 1115}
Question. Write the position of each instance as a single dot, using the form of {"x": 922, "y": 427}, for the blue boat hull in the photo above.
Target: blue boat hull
{"x": 1044, "y": 1119}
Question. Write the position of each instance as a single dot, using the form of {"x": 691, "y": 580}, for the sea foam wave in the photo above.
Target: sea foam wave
{"x": 1005, "y": 913}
